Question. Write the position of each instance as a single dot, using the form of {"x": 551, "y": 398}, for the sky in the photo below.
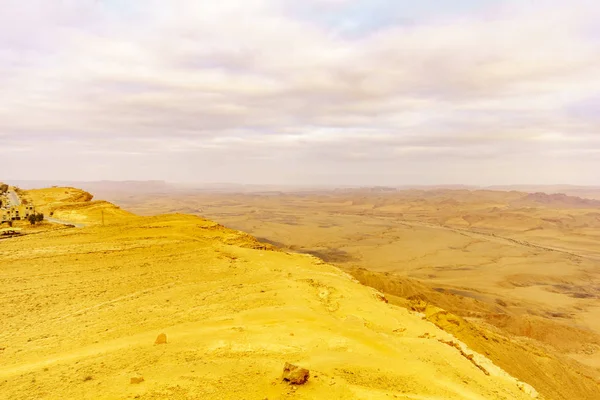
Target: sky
{"x": 327, "y": 92}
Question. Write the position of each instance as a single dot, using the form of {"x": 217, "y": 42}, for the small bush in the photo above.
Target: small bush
{"x": 35, "y": 218}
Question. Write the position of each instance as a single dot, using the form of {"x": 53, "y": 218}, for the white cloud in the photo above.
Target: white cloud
{"x": 251, "y": 79}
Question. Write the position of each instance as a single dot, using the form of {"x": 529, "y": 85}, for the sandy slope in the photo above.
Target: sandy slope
{"x": 546, "y": 362}
{"x": 81, "y": 308}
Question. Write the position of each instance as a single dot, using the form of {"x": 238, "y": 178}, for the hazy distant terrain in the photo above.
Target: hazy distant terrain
{"x": 591, "y": 192}
{"x": 112, "y": 188}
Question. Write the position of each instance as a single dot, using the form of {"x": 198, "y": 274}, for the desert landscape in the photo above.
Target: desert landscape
{"x": 315, "y": 199}
{"x": 177, "y": 306}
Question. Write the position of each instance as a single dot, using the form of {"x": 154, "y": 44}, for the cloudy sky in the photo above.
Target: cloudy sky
{"x": 301, "y": 91}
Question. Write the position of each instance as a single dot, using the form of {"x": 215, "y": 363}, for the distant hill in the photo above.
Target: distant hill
{"x": 590, "y": 192}
{"x": 557, "y": 200}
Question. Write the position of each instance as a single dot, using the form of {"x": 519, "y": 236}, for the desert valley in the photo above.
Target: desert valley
{"x": 380, "y": 293}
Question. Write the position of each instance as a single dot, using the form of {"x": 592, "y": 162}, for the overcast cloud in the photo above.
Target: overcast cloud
{"x": 311, "y": 91}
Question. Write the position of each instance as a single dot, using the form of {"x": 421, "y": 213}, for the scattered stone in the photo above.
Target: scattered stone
{"x": 161, "y": 339}
{"x": 136, "y": 380}
{"x": 295, "y": 375}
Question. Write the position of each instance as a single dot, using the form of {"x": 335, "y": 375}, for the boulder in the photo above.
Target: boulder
{"x": 295, "y": 375}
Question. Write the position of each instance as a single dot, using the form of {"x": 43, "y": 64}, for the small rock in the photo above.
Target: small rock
{"x": 136, "y": 380}
{"x": 381, "y": 297}
{"x": 295, "y": 375}
{"x": 161, "y": 339}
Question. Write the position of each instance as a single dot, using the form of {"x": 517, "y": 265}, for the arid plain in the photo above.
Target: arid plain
{"x": 525, "y": 266}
